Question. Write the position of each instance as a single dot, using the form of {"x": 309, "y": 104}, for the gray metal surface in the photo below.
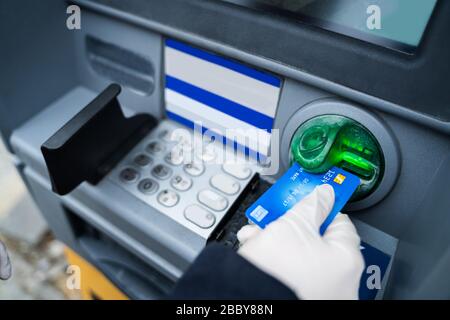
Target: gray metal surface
{"x": 423, "y": 256}
{"x": 140, "y": 42}
{"x": 36, "y": 67}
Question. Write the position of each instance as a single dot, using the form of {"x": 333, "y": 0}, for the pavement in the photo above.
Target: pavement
{"x": 37, "y": 258}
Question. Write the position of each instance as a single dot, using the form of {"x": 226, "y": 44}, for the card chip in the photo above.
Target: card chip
{"x": 339, "y": 179}
{"x": 259, "y": 213}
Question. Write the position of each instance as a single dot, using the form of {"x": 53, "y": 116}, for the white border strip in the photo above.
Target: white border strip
{"x": 195, "y": 111}
{"x": 222, "y": 81}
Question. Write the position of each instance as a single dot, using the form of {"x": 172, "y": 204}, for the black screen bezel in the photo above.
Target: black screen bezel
{"x": 334, "y": 27}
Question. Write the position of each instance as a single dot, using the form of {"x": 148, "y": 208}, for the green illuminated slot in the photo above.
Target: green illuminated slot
{"x": 331, "y": 140}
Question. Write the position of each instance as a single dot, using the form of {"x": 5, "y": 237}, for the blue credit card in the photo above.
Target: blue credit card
{"x": 293, "y": 186}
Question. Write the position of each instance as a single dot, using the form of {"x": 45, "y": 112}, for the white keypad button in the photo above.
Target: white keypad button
{"x": 199, "y": 216}
{"x": 168, "y": 198}
{"x": 236, "y": 170}
{"x": 161, "y": 171}
{"x": 148, "y": 186}
{"x": 129, "y": 175}
{"x": 186, "y": 146}
{"x": 206, "y": 154}
{"x": 194, "y": 168}
{"x": 175, "y": 156}
{"x": 181, "y": 182}
{"x": 225, "y": 183}
{"x": 212, "y": 200}
{"x": 183, "y": 139}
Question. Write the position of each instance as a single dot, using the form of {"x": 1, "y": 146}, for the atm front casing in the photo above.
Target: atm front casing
{"x": 50, "y": 73}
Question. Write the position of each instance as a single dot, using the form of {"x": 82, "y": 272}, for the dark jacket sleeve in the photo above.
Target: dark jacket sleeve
{"x": 220, "y": 273}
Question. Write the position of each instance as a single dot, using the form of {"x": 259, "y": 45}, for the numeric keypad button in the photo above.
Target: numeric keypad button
{"x": 148, "y": 186}
{"x": 175, "y": 156}
{"x": 155, "y": 147}
{"x": 225, "y": 183}
{"x": 168, "y": 198}
{"x": 142, "y": 160}
{"x": 129, "y": 175}
{"x": 199, "y": 216}
{"x": 161, "y": 172}
{"x": 212, "y": 200}
{"x": 194, "y": 168}
{"x": 238, "y": 171}
{"x": 181, "y": 182}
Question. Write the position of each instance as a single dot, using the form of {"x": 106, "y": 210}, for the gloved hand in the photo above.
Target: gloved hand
{"x": 291, "y": 249}
{"x": 5, "y": 265}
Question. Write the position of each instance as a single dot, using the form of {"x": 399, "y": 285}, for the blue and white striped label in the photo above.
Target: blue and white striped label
{"x": 220, "y": 94}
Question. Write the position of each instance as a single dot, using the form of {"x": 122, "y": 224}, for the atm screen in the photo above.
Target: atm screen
{"x": 231, "y": 99}
{"x": 396, "y": 24}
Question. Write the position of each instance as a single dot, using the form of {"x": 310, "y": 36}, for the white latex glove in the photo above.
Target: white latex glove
{"x": 291, "y": 249}
{"x": 5, "y": 265}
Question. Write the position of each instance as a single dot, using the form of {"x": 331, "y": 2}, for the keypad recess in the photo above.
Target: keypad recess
{"x": 183, "y": 178}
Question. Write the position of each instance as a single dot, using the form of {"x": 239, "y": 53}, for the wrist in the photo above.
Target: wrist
{"x": 269, "y": 268}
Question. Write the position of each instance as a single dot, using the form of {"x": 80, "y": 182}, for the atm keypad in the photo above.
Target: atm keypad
{"x": 171, "y": 174}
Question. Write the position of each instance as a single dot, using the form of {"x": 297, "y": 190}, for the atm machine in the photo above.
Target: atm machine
{"x": 100, "y": 119}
